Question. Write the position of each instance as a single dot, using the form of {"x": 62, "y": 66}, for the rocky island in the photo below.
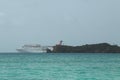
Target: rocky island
{"x": 88, "y": 48}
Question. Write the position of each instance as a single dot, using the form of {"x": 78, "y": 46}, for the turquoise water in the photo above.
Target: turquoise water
{"x": 59, "y": 66}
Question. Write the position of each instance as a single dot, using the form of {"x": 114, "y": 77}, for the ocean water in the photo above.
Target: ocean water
{"x": 73, "y": 66}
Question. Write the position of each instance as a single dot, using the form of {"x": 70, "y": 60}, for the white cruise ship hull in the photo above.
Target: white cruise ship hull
{"x": 32, "y": 49}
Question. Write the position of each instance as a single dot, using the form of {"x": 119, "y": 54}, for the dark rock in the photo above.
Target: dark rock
{"x": 88, "y": 48}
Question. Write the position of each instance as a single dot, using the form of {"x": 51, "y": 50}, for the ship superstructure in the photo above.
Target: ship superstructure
{"x": 36, "y": 48}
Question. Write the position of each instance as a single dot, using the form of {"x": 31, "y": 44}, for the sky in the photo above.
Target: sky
{"x": 46, "y": 22}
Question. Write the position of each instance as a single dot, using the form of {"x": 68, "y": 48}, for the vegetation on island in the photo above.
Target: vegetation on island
{"x": 88, "y": 48}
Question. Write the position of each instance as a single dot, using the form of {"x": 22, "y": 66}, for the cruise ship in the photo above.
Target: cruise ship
{"x": 36, "y": 48}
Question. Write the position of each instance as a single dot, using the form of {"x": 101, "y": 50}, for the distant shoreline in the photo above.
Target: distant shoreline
{"x": 88, "y": 48}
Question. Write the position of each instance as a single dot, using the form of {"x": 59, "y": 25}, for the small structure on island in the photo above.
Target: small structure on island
{"x": 60, "y": 43}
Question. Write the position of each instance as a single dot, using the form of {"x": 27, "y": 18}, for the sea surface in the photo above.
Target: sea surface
{"x": 52, "y": 66}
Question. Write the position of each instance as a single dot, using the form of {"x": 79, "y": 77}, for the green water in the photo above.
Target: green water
{"x": 59, "y": 66}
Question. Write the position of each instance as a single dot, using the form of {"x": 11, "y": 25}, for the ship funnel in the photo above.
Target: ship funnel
{"x": 60, "y": 43}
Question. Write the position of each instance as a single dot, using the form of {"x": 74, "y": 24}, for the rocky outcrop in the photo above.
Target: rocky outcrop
{"x": 88, "y": 48}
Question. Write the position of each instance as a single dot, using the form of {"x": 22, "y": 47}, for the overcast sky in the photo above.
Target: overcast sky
{"x": 45, "y": 22}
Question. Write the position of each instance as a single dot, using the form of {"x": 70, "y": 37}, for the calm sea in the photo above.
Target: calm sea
{"x": 14, "y": 66}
